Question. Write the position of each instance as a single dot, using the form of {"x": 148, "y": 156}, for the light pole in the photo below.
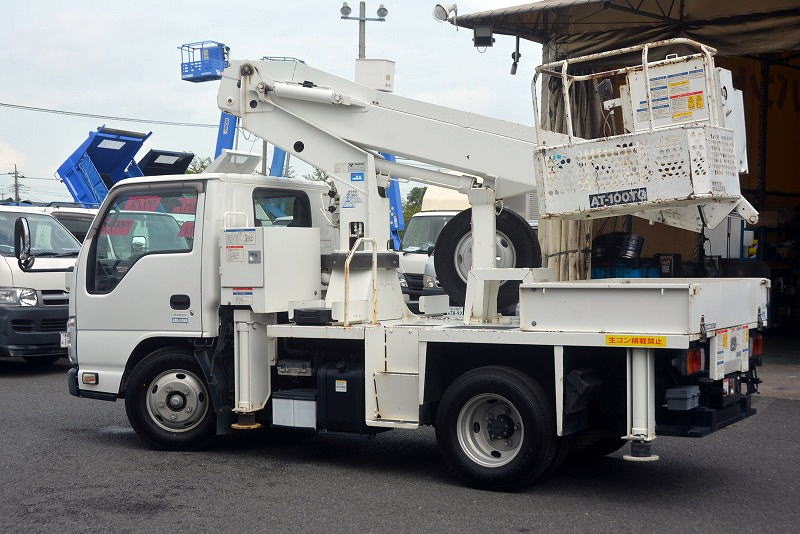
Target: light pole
{"x": 362, "y": 23}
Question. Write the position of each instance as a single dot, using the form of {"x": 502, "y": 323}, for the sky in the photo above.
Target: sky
{"x": 122, "y": 59}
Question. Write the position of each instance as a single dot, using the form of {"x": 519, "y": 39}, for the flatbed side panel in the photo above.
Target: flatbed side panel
{"x": 650, "y": 306}
{"x": 518, "y": 337}
{"x": 734, "y": 303}
{"x": 589, "y": 308}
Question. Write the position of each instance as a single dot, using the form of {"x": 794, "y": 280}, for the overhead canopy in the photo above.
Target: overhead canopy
{"x": 579, "y": 27}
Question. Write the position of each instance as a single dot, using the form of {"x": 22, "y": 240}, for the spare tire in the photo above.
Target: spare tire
{"x": 516, "y": 245}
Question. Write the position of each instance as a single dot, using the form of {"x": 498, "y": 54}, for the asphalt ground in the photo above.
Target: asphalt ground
{"x": 70, "y": 465}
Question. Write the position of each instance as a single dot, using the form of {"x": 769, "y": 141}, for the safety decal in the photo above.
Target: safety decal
{"x": 638, "y": 340}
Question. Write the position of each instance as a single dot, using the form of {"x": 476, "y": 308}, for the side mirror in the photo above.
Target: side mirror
{"x": 138, "y": 244}
{"x": 22, "y": 244}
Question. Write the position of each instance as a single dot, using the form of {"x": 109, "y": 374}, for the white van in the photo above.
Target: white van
{"x": 34, "y": 305}
{"x": 439, "y": 205}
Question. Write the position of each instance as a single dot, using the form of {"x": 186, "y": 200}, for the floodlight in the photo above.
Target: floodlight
{"x": 482, "y": 36}
{"x": 441, "y": 12}
{"x": 345, "y": 10}
{"x": 382, "y": 11}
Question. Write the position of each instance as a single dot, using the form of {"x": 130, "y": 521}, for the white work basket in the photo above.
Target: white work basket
{"x": 678, "y": 158}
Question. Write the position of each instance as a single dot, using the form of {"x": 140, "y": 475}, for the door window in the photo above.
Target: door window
{"x": 275, "y": 207}
{"x": 137, "y": 225}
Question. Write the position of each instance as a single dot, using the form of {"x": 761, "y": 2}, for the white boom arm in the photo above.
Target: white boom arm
{"x": 338, "y": 126}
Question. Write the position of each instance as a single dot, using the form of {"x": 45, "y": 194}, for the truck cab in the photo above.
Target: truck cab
{"x": 33, "y": 305}
{"x": 152, "y": 256}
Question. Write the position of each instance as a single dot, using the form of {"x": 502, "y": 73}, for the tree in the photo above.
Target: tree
{"x": 288, "y": 172}
{"x": 413, "y": 202}
{"x": 319, "y": 176}
{"x": 198, "y": 165}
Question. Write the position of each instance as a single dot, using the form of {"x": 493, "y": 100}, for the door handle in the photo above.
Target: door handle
{"x": 179, "y": 302}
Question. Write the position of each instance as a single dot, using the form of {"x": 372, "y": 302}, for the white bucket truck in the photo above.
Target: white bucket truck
{"x": 272, "y": 301}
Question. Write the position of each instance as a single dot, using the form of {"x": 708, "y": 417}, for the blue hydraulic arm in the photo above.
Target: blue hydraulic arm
{"x": 396, "y": 222}
{"x": 278, "y": 162}
{"x": 226, "y": 133}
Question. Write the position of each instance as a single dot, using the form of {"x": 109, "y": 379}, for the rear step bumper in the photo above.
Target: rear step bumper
{"x": 702, "y": 421}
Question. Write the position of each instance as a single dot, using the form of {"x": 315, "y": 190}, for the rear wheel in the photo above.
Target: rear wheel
{"x": 516, "y": 245}
{"x": 168, "y": 403}
{"x": 495, "y": 427}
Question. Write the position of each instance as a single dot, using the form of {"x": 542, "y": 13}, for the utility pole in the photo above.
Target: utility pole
{"x": 362, "y": 30}
{"x": 362, "y": 23}
{"x": 17, "y": 175}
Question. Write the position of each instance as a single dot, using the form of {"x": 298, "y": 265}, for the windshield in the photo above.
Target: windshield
{"x": 422, "y": 232}
{"x": 48, "y": 237}
{"x": 76, "y": 224}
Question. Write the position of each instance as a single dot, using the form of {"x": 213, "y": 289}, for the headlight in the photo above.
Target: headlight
{"x": 428, "y": 281}
{"x": 402, "y": 278}
{"x": 18, "y": 296}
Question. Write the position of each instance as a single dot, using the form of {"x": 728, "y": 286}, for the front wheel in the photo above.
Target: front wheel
{"x": 496, "y": 429}
{"x": 168, "y": 403}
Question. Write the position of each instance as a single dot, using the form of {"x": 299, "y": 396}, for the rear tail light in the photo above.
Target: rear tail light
{"x": 691, "y": 361}
{"x": 756, "y": 344}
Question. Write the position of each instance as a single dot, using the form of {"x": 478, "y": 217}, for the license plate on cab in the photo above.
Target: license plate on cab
{"x": 63, "y": 340}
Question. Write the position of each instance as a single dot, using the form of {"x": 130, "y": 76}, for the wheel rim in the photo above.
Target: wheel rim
{"x": 505, "y": 253}
{"x": 490, "y": 430}
{"x": 177, "y": 400}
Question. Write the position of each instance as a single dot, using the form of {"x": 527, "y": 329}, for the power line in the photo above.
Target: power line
{"x": 106, "y": 117}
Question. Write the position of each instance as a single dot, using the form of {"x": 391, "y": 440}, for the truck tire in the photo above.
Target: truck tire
{"x": 168, "y": 403}
{"x": 516, "y": 245}
{"x": 496, "y": 428}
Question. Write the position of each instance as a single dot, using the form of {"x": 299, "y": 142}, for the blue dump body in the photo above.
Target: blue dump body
{"x": 106, "y": 157}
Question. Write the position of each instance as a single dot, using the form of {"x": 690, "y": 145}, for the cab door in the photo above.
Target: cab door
{"x": 140, "y": 274}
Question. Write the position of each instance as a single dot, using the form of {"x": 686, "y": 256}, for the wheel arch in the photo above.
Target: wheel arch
{"x": 445, "y": 362}
{"x": 147, "y": 347}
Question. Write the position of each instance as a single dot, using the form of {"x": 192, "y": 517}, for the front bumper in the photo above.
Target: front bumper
{"x": 31, "y": 331}
{"x": 75, "y": 391}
